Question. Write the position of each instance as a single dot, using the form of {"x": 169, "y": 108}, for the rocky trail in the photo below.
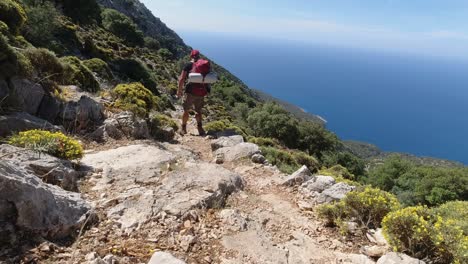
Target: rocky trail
{"x": 196, "y": 200}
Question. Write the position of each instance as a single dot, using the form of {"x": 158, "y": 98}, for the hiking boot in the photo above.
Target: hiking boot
{"x": 183, "y": 129}
{"x": 201, "y": 131}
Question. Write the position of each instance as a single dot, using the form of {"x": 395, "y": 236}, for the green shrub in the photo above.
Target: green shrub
{"x": 152, "y": 44}
{"x": 338, "y": 172}
{"x": 421, "y": 233}
{"x": 78, "y": 73}
{"x": 137, "y": 71}
{"x": 83, "y": 11}
{"x": 366, "y": 205}
{"x": 99, "y": 67}
{"x": 13, "y": 62}
{"x": 42, "y": 24}
{"x": 134, "y": 97}
{"x": 47, "y": 67}
{"x": 302, "y": 158}
{"x": 264, "y": 142}
{"x": 53, "y": 143}
{"x": 316, "y": 139}
{"x": 354, "y": 164}
{"x": 157, "y": 125}
{"x": 165, "y": 53}
{"x": 456, "y": 211}
{"x": 13, "y": 14}
{"x": 122, "y": 26}
{"x": 222, "y": 126}
{"x": 281, "y": 158}
{"x": 332, "y": 213}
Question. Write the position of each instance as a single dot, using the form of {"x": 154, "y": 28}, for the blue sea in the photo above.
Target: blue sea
{"x": 399, "y": 102}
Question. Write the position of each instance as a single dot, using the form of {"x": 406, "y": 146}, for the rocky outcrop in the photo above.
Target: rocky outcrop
{"x": 239, "y": 151}
{"x": 122, "y": 125}
{"x": 40, "y": 208}
{"x": 26, "y": 95}
{"x": 149, "y": 180}
{"x": 319, "y": 183}
{"x": 164, "y": 258}
{"x": 398, "y": 258}
{"x": 335, "y": 193}
{"x": 224, "y": 142}
{"x": 50, "y": 169}
{"x": 18, "y": 122}
{"x": 4, "y": 91}
{"x": 297, "y": 178}
{"x": 82, "y": 114}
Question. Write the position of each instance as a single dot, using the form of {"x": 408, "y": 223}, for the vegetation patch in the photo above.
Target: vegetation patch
{"x": 137, "y": 71}
{"x": 122, "y": 26}
{"x": 218, "y": 126}
{"x": 134, "y": 97}
{"x": 53, "y": 143}
{"x": 48, "y": 69}
{"x": 78, "y": 73}
{"x": 289, "y": 161}
{"x": 13, "y": 14}
{"x": 158, "y": 125}
{"x": 99, "y": 67}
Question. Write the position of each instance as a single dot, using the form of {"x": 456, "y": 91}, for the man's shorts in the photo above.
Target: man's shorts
{"x": 195, "y": 101}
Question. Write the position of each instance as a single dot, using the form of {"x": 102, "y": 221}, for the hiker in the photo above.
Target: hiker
{"x": 194, "y": 92}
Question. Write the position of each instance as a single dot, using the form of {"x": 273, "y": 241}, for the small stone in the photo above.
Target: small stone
{"x": 258, "y": 158}
{"x": 187, "y": 224}
{"x": 374, "y": 251}
{"x": 91, "y": 256}
{"x": 305, "y": 206}
{"x": 207, "y": 259}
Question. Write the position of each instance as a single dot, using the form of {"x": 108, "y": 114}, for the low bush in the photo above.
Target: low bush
{"x": 422, "y": 233}
{"x": 122, "y": 26}
{"x": 47, "y": 67}
{"x": 264, "y": 142}
{"x": 83, "y": 11}
{"x": 303, "y": 158}
{"x": 365, "y": 205}
{"x": 165, "y": 53}
{"x": 52, "y": 143}
{"x": 456, "y": 211}
{"x": 152, "y": 43}
{"x": 159, "y": 123}
{"x": 99, "y": 67}
{"x": 13, "y": 14}
{"x": 137, "y": 71}
{"x": 340, "y": 173}
{"x": 222, "y": 126}
{"x": 13, "y": 62}
{"x": 134, "y": 97}
{"x": 289, "y": 161}
{"x": 77, "y": 73}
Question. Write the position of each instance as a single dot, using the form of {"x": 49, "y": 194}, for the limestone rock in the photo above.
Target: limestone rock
{"x": 335, "y": 193}
{"x": 398, "y": 258}
{"x": 27, "y": 95}
{"x": 374, "y": 251}
{"x": 51, "y": 169}
{"x": 4, "y": 90}
{"x": 124, "y": 124}
{"x": 18, "y": 122}
{"x": 49, "y": 108}
{"x": 239, "y": 151}
{"x": 164, "y": 258}
{"x": 354, "y": 259}
{"x": 318, "y": 183}
{"x": 41, "y": 208}
{"x": 83, "y": 114}
{"x": 258, "y": 158}
{"x": 300, "y": 176}
{"x": 223, "y": 142}
{"x": 377, "y": 237}
{"x": 234, "y": 219}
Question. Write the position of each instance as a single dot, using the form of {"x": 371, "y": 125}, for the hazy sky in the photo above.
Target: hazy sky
{"x": 437, "y": 27}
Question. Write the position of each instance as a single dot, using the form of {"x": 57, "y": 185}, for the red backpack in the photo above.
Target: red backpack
{"x": 203, "y": 67}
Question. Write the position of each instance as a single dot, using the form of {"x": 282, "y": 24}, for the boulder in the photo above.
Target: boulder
{"x": 164, "y": 258}
{"x": 49, "y": 108}
{"x": 374, "y": 251}
{"x": 300, "y": 176}
{"x": 223, "y": 142}
{"x": 18, "y": 122}
{"x": 51, "y": 169}
{"x": 26, "y": 95}
{"x": 258, "y": 158}
{"x": 40, "y": 208}
{"x": 318, "y": 183}
{"x": 124, "y": 124}
{"x": 83, "y": 114}
{"x": 398, "y": 258}
{"x": 377, "y": 237}
{"x": 335, "y": 193}
{"x": 239, "y": 151}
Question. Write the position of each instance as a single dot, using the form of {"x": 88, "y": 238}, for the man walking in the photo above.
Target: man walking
{"x": 194, "y": 93}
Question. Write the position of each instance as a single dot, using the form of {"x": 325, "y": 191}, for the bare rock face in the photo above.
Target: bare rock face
{"x": 82, "y": 114}
{"x": 223, "y": 142}
{"x": 121, "y": 125}
{"x": 40, "y": 208}
{"x": 18, "y": 122}
{"x": 26, "y": 95}
{"x": 4, "y": 90}
{"x": 335, "y": 193}
{"x": 147, "y": 180}
{"x": 398, "y": 258}
{"x": 239, "y": 151}
{"x": 164, "y": 258}
{"x": 234, "y": 219}
{"x": 300, "y": 176}
{"x": 318, "y": 183}
{"x": 51, "y": 169}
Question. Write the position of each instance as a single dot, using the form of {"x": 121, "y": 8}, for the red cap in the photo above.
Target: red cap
{"x": 194, "y": 54}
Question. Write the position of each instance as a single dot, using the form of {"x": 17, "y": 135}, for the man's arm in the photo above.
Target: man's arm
{"x": 182, "y": 78}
